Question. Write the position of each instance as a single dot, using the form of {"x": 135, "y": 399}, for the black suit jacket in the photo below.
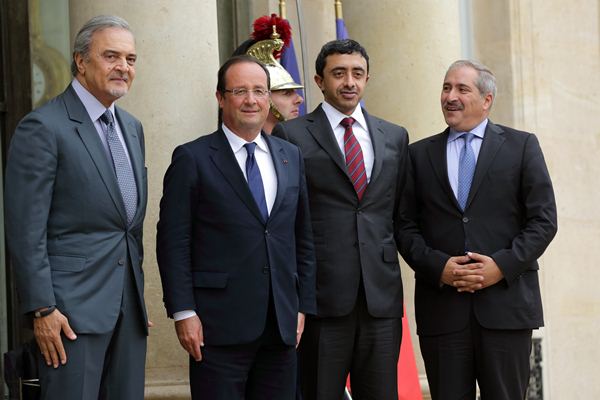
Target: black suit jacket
{"x": 510, "y": 216}
{"x": 352, "y": 237}
{"x": 215, "y": 253}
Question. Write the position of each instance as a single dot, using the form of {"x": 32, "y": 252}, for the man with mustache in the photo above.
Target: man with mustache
{"x": 76, "y": 193}
{"x": 234, "y": 247}
{"x": 356, "y": 167}
{"x": 481, "y": 213}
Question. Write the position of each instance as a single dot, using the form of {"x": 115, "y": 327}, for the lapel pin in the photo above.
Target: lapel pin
{"x": 285, "y": 161}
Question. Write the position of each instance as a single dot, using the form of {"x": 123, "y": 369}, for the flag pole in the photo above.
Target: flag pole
{"x": 303, "y": 53}
{"x": 338, "y": 9}
{"x": 282, "y": 9}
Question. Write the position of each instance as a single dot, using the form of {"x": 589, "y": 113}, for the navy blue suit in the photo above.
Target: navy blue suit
{"x": 216, "y": 254}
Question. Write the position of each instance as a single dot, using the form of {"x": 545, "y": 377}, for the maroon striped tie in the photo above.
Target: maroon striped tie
{"x": 354, "y": 158}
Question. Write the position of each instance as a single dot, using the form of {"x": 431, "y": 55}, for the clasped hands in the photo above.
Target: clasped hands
{"x": 471, "y": 272}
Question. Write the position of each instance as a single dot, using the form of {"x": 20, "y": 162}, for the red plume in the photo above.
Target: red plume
{"x": 263, "y": 29}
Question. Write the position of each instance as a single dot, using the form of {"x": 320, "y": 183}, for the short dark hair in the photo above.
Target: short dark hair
{"x": 344, "y": 46}
{"x": 221, "y": 84}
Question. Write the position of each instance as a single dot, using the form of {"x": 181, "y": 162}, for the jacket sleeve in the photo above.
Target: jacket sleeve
{"x": 305, "y": 250}
{"x": 174, "y": 232}
{"x": 539, "y": 212}
{"x": 30, "y": 176}
{"x": 424, "y": 260}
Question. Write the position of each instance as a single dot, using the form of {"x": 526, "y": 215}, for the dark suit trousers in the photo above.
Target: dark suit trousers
{"x": 359, "y": 344}
{"x": 106, "y": 366}
{"x": 497, "y": 359}
{"x": 262, "y": 370}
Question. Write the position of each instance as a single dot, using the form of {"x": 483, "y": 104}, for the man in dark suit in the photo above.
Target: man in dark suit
{"x": 76, "y": 195}
{"x": 235, "y": 247}
{"x": 356, "y": 168}
{"x": 483, "y": 211}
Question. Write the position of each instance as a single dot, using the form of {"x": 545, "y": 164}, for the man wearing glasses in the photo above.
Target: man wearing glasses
{"x": 235, "y": 247}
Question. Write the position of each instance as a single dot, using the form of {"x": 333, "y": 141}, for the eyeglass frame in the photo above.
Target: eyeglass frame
{"x": 243, "y": 92}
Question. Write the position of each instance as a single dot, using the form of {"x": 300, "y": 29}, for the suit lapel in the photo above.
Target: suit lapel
{"x": 492, "y": 142}
{"x": 89, "y": 136}
{"x": 378, "y": 140}
{"x": 281, "y": 163}
{"x": 227, "y": 164}
{"x": 130, "y": 136}
{"x": 321, "y": 131}
{"x": 439, "y": 163}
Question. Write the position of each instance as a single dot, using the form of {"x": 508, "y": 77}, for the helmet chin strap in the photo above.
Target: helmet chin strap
{"x": 275, "y": 111}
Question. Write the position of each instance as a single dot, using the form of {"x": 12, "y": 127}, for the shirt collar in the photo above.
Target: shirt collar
{"x": 335, "y": 116}
{"x": 478, "y": 131}
{"x": 93, "y": 107}
{"x": 237, "y": 142}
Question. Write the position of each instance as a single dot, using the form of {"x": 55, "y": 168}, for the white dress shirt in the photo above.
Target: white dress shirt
{"x": 359, "y": 129}
{"x": 262, "y": 154}
{"x": 455, "y": 145}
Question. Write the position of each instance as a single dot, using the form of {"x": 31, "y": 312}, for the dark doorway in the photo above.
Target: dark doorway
{"x": 15, "y": 102}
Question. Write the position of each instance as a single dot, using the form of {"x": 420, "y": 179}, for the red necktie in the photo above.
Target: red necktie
{"x": 354, "y": 158}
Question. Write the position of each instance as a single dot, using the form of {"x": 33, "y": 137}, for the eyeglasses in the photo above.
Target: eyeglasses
{"x": 241, "y": 92}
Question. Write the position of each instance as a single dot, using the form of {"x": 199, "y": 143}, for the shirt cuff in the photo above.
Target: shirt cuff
{"x": 179, "y": 315}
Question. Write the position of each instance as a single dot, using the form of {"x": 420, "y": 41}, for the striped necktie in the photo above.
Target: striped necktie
{"x": 354, "y": 158}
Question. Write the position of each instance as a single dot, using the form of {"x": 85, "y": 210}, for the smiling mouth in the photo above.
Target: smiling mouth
{"x": 453, "y": 107}
{"x": 119, "y": 78}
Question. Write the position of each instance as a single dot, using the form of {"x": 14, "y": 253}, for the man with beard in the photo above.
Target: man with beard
{"x": 482, "y": 213}
{"x": 76, "y": 195}
{"x": 356, "y": 168}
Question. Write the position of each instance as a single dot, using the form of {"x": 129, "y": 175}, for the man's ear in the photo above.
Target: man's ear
{"x": 80, "y": 63}
{"x": 220, "y": 98}
{"x": 319, "y": 81}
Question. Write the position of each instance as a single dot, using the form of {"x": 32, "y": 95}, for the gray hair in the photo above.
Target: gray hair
{"x": 84, "y": 36}
{"x": 486, "y": 81}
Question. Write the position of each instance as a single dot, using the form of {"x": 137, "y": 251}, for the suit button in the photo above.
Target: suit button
{"x": 121, "y": 262}
{"x": 465, "y": 220}
{"x": 266, "y": 232}
{"x": 265, "y": 270}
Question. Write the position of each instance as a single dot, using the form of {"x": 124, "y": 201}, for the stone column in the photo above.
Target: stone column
{"x": 173, "y": 96}
{"x": 410, "y": 46}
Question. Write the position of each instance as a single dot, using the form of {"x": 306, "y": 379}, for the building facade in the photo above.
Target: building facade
{"x": 545, "y": 54}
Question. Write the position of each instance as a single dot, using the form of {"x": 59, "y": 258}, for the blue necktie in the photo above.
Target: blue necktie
{"x": 255, "y": 181}
{"x": 122, "y": 167}
{"x": 466, "y": 169}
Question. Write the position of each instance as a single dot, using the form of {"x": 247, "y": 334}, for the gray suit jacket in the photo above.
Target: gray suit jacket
{"x": 354, "y": 239}
{"x": 65, "y": 218}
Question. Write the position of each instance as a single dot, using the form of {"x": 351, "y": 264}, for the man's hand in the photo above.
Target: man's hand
{"x": 481, "y": 273}
{"x": 190, "y": 335}
{"x": 456, "y": 264}
{"x": 47, "y": 334}
{"x": 299, "y": 328}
